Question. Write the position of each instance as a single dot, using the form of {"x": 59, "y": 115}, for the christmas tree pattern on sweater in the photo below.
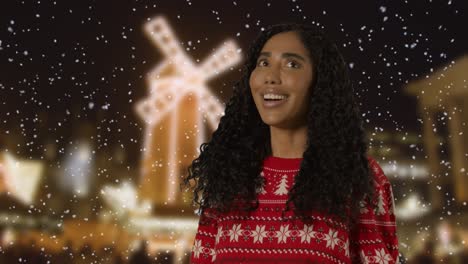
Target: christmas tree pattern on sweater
{"x": 282, "y": 188}
{"x": 268, "y": 236}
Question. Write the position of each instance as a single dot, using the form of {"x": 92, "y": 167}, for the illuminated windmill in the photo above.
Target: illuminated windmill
{"x": 176, "y": 110}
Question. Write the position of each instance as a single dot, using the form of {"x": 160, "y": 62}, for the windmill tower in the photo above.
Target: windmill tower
{"x": 175, "y": 112}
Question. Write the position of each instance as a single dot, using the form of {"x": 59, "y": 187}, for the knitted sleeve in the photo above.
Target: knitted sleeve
{"x": 203, "y": 250}
{"x": 375, "y": 239}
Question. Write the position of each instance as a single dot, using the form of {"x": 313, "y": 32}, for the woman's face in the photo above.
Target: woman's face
{"x": 280, "y": 83}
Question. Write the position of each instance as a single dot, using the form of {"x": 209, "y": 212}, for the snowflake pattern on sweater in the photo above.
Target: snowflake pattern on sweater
{"x": 268, "y": 236}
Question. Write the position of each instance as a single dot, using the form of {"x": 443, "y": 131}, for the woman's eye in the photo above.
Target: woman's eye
{"x": 293, "y": 64}
{"x": 262, "y": 63}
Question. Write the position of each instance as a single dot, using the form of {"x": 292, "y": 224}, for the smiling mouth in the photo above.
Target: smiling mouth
{"x": 274, "y": 102}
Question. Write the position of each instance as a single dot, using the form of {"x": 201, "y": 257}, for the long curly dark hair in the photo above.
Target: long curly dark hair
{"x": 334, "y": 174}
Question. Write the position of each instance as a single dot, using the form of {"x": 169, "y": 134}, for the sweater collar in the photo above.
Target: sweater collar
{"x": 280, "y": 163}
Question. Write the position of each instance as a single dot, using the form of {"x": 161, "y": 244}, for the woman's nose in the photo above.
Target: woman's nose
{"x": 272, "y": 77}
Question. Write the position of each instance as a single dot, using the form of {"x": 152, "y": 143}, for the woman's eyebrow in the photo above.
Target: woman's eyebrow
{"x": 295, "y": 55}
{"x": 284, "y": 55}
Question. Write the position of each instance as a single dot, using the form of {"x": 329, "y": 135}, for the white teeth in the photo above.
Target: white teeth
{"x": 274, "y": 96}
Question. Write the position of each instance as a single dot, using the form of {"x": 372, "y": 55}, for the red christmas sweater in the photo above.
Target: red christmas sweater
{"x": 267, "y": 236}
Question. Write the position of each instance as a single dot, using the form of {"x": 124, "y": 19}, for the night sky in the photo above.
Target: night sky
{"x": 63, "y": 63}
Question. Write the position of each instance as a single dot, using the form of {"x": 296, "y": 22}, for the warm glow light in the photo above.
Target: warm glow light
{"x": 411, "y": 208}
{"x": 164, "y": 225}
{"x": 21, "y": 178}
{"x": 447, "y": 244}
{"x": 124, "y": 199}
{"x": 406, "y": 171}
{"x": 175, "y": 77}
{"x": 8, "y": 237}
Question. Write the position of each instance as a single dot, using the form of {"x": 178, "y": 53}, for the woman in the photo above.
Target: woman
{"x": 286, "y": 177}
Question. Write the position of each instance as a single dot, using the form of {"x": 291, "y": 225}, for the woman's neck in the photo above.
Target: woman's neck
{"x": 288, "y": 143}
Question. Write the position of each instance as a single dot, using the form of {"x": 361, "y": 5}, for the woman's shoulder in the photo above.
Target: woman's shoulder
{"x": 377, "y": 172}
